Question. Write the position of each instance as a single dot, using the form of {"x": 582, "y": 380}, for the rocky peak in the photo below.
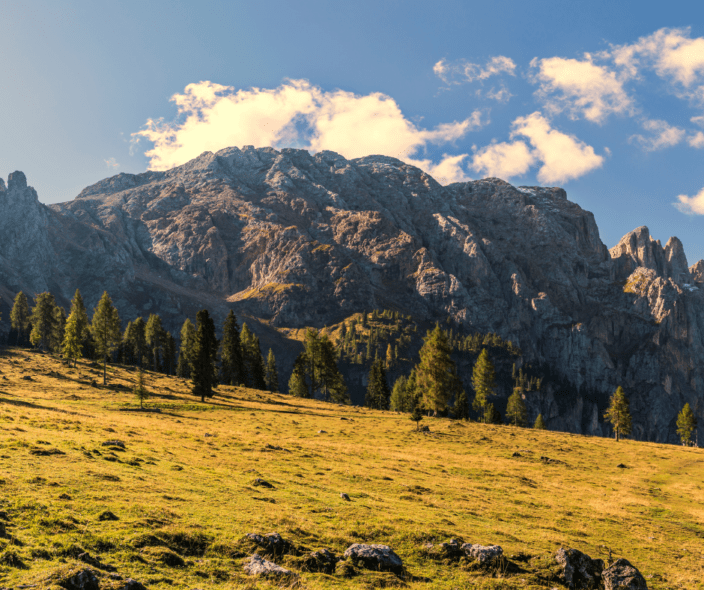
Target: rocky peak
{"x": 697, "y": 271}
{"x": 677, "y": 261}
{"x": 17, "y": 181}
{"x": 638, "y": 249}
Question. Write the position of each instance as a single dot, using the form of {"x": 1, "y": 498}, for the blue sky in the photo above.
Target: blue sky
{"x": 603, "y": 98}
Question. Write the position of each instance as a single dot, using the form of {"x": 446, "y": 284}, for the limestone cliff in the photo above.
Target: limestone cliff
{"x": 297, "y": 239}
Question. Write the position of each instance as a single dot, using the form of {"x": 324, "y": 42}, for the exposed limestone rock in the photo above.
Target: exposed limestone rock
{"x": 258, "y": 566}
{"x": 578, "y": 569}
{"x": 375, "y": 557}
{"x": 482, "y": 553}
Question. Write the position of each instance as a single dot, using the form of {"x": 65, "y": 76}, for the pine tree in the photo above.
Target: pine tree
{"x": 232, "y": 370}
{"x": 140, "y": 390}
{"x": 328, "y": 376}
{"x": 436, "y": 374}
{"x": 185, "y": 355}
{"x": 105, "y": 328}
{"x": 516, "y": 411}
{"x": 483, "y": 381}
{"x": 378, "y": 393}
{"x": 43, "y": 321}
{"x": 156, "y": 340}
{"x": 397, "y": 402}
{"x": 686, "y": 424}
{"x": 272, "y": 375}
{"x": 491, "y": 414}
{"x": 169, "y": 361}
{"x": 461, "y": 406}
{"x": 297, "y": 385}
{"x": 618, "y": 414}
{"x": 78, "y": 308}
{"x": 20, "y": 319}
{"x": 417, "y": 415}
{"x": 203, "y": 370}
{"x": 57, "y": 334}
{"x": 135, "y": 343}
{"x": 71, "y": 345}
{"x": 540, "y": 423}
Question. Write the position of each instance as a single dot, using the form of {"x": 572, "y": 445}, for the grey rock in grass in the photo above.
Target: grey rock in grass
{"x": 375, "y": 557}
{"x": 450, "y": 549}
{"x": 621, "y": 575}
{"x": 321, "y": 561}
{"x": 133, "y": 585}
{"x": 258, "y": 566}
{"x": 262, "y": 483}
{"x": 345, "y": 497}
{"x": 272, "y": 543}
{"x": 82, "y": 580}
{"x": 578, "y": 569}
{"x": 482, "y": 553}
{"x": 114, "y": 443}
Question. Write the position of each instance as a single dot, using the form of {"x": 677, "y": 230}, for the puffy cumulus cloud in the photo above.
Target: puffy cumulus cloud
{"x": 461, "y": 71}
{"x": 212, "y": 116}
{"x": 580, "y": 87}
{"x": 448, "y": 170}
{"x": 672, "y": 53}
{"x": 691, "y": 205}
{"x": 696, "y": 140}
{"x": 563, "y": 157}
{"x": 504, "y": 160}
{"x": 662, "y": 135}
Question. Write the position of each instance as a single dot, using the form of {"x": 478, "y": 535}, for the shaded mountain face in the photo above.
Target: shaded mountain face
{"x": 300, "y": 240}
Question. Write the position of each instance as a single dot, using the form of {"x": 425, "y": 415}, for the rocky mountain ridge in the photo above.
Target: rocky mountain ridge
{"x": 296, "y": 239}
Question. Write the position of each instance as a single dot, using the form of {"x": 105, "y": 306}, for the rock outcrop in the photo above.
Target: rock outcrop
{"x": 297, "y": 239}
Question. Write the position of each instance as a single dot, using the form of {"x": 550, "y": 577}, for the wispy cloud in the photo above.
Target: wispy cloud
{"x": 112, "y": 163}
{"x": 462, "y": 71}
{"x": 212, "y": 116}
{"x": 696, "y": 140}
{"x": 691, "y": 205}
{"x": 662, "y": 135}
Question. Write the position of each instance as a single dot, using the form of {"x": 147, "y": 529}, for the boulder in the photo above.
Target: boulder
{"x": 272, "y": 544}
{"x": 321, "y": 561}
{"x": 81, "y": 580}
{"x": 375, "y": 557}
{"x": 258, "y": 566}
{"x": 578, "y": 569}
{"x": 621, "y": 575}
{"x": 345, "y": 497}
{"x": 482, "y": 553}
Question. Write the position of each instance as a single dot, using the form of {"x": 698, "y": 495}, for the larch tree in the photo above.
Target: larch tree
{"x": 398, "y": 400}
{"x": 329, "y": 378}
{"x": 43, "y": 321}
{"x": 436, "y": 373}
{"x": 72, "y": 345}
{"x": 204, "y": 370}
{"x": 20, "y": 319}
{"x": 156, "y": 340}
{"x": 232, "y": 371}
{"x": 483, "y": 381}
{"x": 185, "y": 354}
{"x": 78, "y": 309}
{"x": 618, "y": 414}
{"x": 272, "y": 374}
{"x": 105, "y": 327}
{"x": 686, "y": 425}
{"x": 297, "y": 385}
{"x": 516, "y": 411}
{"x": 140, "y": 389}
{"x": 135, "y": 343}
{"x": 540, "y": 423}
{"x": 57, "y": 336}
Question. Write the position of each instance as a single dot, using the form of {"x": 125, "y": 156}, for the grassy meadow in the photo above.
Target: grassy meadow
{"x": 183, "y": 488}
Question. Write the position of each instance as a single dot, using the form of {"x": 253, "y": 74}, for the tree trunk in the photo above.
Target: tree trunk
{"x": 617, "y": 439}
{"x": 105, "y": 370}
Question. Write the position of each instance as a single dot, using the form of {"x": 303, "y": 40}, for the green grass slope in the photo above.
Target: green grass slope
{"x": 183, "y": 489}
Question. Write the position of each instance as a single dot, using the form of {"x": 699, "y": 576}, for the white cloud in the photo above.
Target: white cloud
{"x": 111, "y": 163}
{"x": 212, "y": 116}
{"x": 500, "y": 95}
{"x": 504, "y": 160}
{"x": 691, "y": 205}
{"x": 462, "y": 70}
{"x": 696, "y": 140}
{"x": 580, "y": 87}
{"x": 447, "y": 171}
{"x": 698, "y": 120}
{"x": 564, "y": 157}
{"x": 663, "y": 135}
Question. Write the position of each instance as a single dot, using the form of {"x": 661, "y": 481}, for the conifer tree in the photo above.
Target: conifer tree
{"x": 417, "y": 415}
{"x": 491, "y": 414}
{"x": 686, "y": 424}
{"x": 71, "y": 345}
{"x": 140, "y": 390}
{"x": 135, "y": 343}
{"x": 436, "y": 374}
{"x": 483, "y": 381}
{"x": 461, "y": 405}
{"x": 389, "y": 356}
{"x": 20, "y": 319}
{"x": 328, "y": 376}
{"x": 272, "y": 375}
{"x": 232, "y": 369}
{"x": 105, "y": 328}
{"x": 57, "y": 335}
{"x": 618, "y": 414}
{"x": 297, "y": 385}
{"x": 78, "y": 308}
{"x": 540, "y": 423}
{"x": 203, "y": 370}
{"x": 378, "y": 393}
{"x": 156, "y": 340}
{"x": 43, "y": 321}
{"x": 169, "y": 361}
{"x": 398, "y": 401}
{"x": 185, "y": 355}
{"x": 516, "y": 411}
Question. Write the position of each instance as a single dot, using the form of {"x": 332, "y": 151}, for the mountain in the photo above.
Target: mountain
{"x": 294, "y": 239}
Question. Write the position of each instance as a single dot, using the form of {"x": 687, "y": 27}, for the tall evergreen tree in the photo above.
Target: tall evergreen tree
{"x": 135, "y": 344}
{"x": 272, "y": 375}
{"x": 540, "y": 423}
{"x": 297, "y": 385}
{"x": 78, "y": 308}
{"x": 436, "y": 373}
{"x": 105, "y": 328}
{"x": 156, "y": 341}
{"x": 516, "y": 411}
{"x": 399, "y": 401}
{"x": 169, "y": 361}
{"x": 686, "y": 424}
{"x": 203, "y": 370}
{"x": 253, "y": 359}
{"x": 43, "y": 321}
{"x": 483, "y": 381}
{"x": 185, "y": 355}
{"x": 461, "y": 406}
{"x": 378, "y": 392}
{"x": 618, "y": 414}
{"x": 72, "y": 344}
{"x": 331, "y": 381}
{"x": 57, "y": 336}
{"x": 20, "y": 319}
{"x": 232, "y": 370}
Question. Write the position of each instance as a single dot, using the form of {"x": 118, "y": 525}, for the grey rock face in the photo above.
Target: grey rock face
{"x": 299, "y": 239}
{"x": 623, "y": 576}
{"x": 578, "y": 569}
{"x": 258, "y": 566}
{"x": 482, "y": 553}
{"x": 375, "y": 557}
